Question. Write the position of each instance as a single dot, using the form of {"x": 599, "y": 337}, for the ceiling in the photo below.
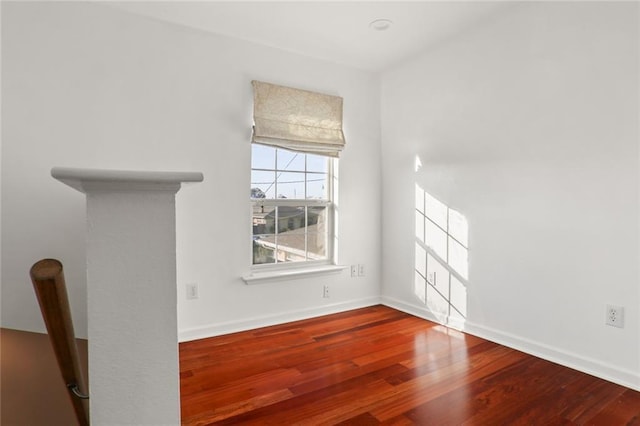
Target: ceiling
{"x": 334, "y": 31}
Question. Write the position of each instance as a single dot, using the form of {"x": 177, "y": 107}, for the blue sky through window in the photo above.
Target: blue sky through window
{"x": 279, "y": 173}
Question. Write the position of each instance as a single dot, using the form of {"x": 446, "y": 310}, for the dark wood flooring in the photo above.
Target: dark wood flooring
{"x": 380, "y": 366}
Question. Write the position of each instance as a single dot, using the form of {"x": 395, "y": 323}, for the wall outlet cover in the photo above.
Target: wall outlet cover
{"x": 192, "y": 291}
{"x": 614, "y": 316}
{"x": 354, "y": 271}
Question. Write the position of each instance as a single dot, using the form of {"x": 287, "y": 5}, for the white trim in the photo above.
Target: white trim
{"x": 285, "y": 274}
{"x": 212, "y": 330}
{"x": 409, "y": 308}
{"x": 575, "y": 361}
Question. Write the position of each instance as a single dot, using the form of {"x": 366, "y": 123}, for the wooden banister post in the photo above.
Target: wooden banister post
{"x": 48, "y": 282}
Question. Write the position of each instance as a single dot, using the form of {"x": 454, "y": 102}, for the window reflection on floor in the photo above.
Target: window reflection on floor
{"x": 441, "y": 258}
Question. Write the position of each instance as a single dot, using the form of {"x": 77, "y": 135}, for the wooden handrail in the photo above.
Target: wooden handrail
{"x": 48, "y": 282}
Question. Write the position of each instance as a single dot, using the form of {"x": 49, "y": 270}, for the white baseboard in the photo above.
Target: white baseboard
{"x": 219, "y": 329}
{"x": 596, "y": 368}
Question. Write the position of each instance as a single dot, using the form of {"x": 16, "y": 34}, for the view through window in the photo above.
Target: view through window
{"x": 292, "y": 211}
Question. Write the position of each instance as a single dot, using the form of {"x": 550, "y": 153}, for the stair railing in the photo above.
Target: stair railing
{"x": 49, "y": 284}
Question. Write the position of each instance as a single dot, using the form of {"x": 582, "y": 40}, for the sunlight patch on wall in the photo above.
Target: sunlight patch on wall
{"x": 441, "y": 258}
{"x": 419, "y": 288}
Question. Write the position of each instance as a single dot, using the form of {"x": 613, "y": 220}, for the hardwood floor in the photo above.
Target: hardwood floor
{"x": 380, "y": 366}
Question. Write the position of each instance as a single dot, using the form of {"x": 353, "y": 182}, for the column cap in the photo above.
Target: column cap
{"x": 87, "y": 180}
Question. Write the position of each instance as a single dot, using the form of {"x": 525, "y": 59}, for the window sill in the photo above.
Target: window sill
{"x": 271, "y": 276}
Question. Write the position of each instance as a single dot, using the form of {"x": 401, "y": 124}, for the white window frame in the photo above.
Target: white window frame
{"x": 291, "y": 268}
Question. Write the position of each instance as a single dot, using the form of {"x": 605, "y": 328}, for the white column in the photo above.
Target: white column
{"x": 131, "y": 290}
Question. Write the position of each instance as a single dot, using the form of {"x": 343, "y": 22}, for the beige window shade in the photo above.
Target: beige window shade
{"x": 297, "y": 120}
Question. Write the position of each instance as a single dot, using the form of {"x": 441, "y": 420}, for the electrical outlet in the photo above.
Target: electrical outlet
{"x": 431, "y": 278}
{"x": 325, "y": 292}
{"x": 354, "y": 271}
{"x": 192, "y": 291}
{"x": 615, "y": 316}
{"x": 361, "y": 270}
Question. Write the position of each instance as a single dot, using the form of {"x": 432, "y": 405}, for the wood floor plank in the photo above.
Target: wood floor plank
{"x": 623, "y": 411}
{"x": 425, "y": 387}
{"x": 380, "y": 366}
{"x": 243, "y": 388}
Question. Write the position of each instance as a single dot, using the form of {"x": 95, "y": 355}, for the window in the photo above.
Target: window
{"x": 296, "y": 136}
{"x": 292, "y": 210}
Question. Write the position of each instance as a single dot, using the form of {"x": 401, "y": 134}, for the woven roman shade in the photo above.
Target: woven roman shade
{"x": 297, "y": 120}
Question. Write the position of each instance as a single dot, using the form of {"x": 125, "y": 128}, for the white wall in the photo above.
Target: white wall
{"x": 528, "y": 125}
{"x": 88, "y": 86}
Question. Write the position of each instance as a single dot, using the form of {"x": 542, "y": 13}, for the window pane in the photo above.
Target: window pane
{"x": 436, "y": 211}
{"x": 263, "y": 184}
{"x": 263, "y": 157}
{"x": 290, "y": 161}
{"x": 291, "y": 248}
{"x": 458, "y": 227}
{"x": 317, "y": 218}
{"x": 263, "y": 249}
{"x": 436, "y": 238}
{"x": 264, "y": 220}
{"x": 290, "y": 219}
{"x": 317, "y": 163}
{"x": 291, "y": 185}
{"x": 317, "y": 245}
{"x": 458, "y": 258}
{"x": 317, "y": 187}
